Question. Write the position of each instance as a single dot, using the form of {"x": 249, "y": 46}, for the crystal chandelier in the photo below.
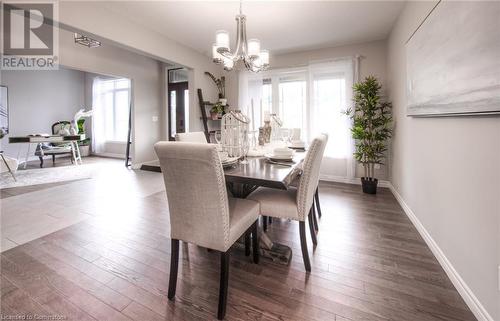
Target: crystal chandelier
{"x": 248, "y": 51}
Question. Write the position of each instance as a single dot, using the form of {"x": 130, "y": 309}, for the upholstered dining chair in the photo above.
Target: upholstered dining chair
{"x": 200, "y": 210}
{"x": 296, "y": 203}
{"x": 316, "y": 203}
{"x": 316, "y": 194}
{"x": 192, "y": 137}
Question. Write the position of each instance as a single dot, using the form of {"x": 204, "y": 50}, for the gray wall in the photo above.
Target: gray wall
{"x": 37, "y": 99}
{"x": 146, "y": 79}
{"x": 447, "y": 172}
{"x": 106, "y": 24}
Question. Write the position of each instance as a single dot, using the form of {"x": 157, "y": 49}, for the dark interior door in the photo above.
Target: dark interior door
{"x": 177, "y": 103}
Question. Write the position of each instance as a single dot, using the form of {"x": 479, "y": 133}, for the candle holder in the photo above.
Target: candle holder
{"x": 234, "y": 130}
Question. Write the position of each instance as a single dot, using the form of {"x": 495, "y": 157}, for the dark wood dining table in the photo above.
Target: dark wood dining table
{"x": 242, "y": 179}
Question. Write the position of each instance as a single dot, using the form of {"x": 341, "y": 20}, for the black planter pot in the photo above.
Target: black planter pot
{"x": 369, "y": 185}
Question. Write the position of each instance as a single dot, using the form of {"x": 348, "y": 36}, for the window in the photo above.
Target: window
{"x": 114, "y": 98}
{"x": 328, "y": 101}
{"x": 173, "y": 113}
{"x": 267, "y": 95}
{"x": 292, "y": 101}
{"x": 311, "y": 98}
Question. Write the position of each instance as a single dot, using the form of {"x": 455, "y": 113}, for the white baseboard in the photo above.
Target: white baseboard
{"x": 470, "y": 299}
{"x": 356, "y": 181}
{"x": 109, "y": 155}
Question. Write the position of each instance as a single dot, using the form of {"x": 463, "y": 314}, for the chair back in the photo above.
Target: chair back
{"x": 310, "y": 175}
{"x": 196, "y": 193}
{"x": 56, "y": 127}
{"x": 192, "y": 137}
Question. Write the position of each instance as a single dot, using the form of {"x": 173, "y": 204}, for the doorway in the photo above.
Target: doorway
{"x": 178, "y": 102}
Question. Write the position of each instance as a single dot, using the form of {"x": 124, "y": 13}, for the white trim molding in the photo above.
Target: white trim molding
{"x": 470, "y": 299}
{"x": 355, "y": 181}
{"x": 109, "y": 155}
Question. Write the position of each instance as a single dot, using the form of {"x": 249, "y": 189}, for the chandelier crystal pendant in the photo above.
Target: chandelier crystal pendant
{"x": 249, "y": 51}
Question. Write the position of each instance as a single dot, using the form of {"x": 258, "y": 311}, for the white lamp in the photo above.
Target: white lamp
{"x": 222, "y": 39}
{"x": 264, "y": 57}
{"x": 253, "y": 48}
{"x": 228, "y": 64}
{"x": 216, "y": 56}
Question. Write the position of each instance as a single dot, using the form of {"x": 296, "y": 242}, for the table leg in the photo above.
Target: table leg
{"x": 27, "y": 156}
{"x": 73, "y": 153}
{"x": 79, "y": 156}
{"x": 8, "y": 167}
{"x": 271, "y": 250}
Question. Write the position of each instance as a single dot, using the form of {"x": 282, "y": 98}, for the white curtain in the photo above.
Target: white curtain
{"x": 250, "y": 97}
{"x": 330, "y": 93}
{"x": 98, "y": 117}
{"x": 312, "y": 98}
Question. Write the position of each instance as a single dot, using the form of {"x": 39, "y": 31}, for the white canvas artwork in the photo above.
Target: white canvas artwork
{"x": 453, "y": 61}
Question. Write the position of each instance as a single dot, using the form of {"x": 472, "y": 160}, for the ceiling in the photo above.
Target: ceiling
{"x": 281, "y": 26}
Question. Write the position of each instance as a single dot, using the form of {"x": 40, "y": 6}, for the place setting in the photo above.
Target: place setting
{"x": 281, "y": 156}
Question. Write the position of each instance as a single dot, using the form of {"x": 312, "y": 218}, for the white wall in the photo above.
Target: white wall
{"x": 37, "y": 99}
{"x": 447, "y": 172}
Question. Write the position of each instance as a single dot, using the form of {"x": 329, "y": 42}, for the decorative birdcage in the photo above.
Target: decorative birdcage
{"x": 276, "y": 124}
{"x": 234, "y": 132}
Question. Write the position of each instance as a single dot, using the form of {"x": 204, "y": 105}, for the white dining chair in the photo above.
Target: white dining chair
{"x": 316, "y": 194}
{"x": 192, "y": 137}
{"x": 296, "y": 203}
{"x": 317, "y": 205}
{"x": 200, "y": 210}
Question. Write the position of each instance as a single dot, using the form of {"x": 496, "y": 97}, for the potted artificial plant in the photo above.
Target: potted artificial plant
{"x": 83, "y": 145}
{"x": 371, "y": 129}
{"x": 217, "y": 110}
{"x": 220, "y": 83}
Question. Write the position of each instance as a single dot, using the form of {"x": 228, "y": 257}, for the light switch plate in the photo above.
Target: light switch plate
{"x": 155, "y": 119}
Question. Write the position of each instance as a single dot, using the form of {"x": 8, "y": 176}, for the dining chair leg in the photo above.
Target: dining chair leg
{"x": 316, "y": 196}
{"x": 315, "y": 218}
{"x": 247, "y": 243}
{"x": 303, "y": 245}
{"x": 311, "y": 227}
{"x": 224, "y": 277}
{"x": 264, "y": 223}
{"x": 255, "y": 242}
{"x": 174, "y": 265}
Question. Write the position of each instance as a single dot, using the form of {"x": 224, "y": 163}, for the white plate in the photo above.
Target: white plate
{"x": 279, "y": 157}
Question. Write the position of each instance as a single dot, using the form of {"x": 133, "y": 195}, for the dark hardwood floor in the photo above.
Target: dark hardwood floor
{"x": 370, "y": 264}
